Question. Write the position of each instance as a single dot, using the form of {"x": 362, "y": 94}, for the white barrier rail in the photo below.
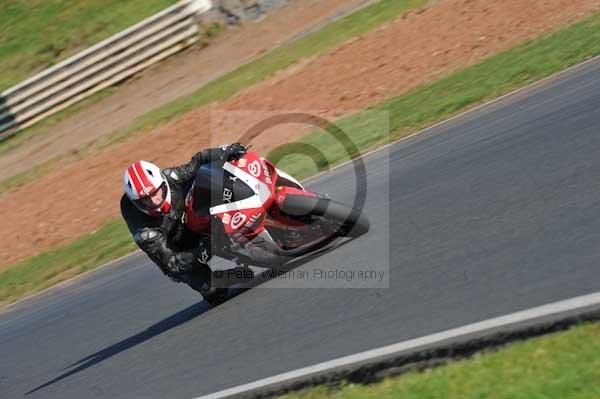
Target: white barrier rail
{"x": 100, "y": 66}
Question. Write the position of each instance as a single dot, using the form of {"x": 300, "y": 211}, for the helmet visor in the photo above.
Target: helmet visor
{"x": 155, "y": 199}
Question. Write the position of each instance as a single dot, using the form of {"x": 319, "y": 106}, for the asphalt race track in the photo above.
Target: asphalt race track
{"x": 493, "y": 212}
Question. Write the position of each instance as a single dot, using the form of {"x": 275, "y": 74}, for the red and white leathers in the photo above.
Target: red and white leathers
{"x": 163, "y": 236}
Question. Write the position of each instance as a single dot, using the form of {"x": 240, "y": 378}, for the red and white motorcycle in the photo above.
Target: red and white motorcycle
{"x": 262, "y": 216}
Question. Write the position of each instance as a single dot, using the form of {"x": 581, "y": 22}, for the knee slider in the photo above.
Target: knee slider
{"x": 145, "y": 236}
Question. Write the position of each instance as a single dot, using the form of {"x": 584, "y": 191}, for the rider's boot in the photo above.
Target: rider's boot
{"x": 213, "y": 295}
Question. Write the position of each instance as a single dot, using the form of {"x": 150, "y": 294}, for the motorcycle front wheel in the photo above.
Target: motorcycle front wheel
{"x": 337, "y": 218}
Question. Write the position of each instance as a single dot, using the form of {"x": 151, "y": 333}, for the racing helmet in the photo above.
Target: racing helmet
{"x": 147, "y": 188}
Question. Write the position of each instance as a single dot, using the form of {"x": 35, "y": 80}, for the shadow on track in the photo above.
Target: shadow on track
{"x": 262, "y": 278}
{"x": 177, "y": 319}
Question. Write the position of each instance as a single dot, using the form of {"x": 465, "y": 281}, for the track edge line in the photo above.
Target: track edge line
{"x": 427, "y": 350}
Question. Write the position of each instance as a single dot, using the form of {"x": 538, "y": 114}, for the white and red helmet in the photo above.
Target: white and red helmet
{"x": 147, "y": 188}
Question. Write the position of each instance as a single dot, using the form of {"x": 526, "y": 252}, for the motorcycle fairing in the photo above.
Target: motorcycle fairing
{"x": 253, "y": 219}
{"x": 243, "y": 219}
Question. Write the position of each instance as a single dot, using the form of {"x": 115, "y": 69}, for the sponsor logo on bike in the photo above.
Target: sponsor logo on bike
{"x": 254, "y": 168}
{"x": 227, "y": 195}
{"x": 237, "y": 220}
{"x": 253, "y": 223}
{"x": 266, "y": 172}
{"x": 253, "y": 219}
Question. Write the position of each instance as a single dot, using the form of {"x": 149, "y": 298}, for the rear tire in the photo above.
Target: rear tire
{"x": 345, "y": 220}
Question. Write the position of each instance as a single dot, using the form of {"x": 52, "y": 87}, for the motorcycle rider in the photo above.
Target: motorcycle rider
{"x": 153, "y": 206}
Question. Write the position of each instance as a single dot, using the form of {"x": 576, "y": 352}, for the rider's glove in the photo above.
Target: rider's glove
{"x": 181, "y": 263}
{"x": 234, "y": 152}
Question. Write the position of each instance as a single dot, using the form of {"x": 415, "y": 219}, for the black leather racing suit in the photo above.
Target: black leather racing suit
{"x": 179, "y": 253}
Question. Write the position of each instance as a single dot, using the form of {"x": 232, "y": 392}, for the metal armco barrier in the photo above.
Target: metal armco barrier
{"x": 100, "y": 66}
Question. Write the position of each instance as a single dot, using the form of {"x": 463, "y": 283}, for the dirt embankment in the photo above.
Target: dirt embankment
{"x": 417, "y": 48}
{"x": 179, "y": 75}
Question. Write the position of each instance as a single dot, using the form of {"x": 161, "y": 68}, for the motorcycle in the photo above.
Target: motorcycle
{"x": 259, "y": 215}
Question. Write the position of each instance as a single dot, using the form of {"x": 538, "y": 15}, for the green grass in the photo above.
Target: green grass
{"x": 20, "y": 179}
{"x": 331, "y": 35}
{"x": 245, "y": 76}
{"x": 564, "y": 365}
{"x": 420, "y": 107}
{"x": 36, "y": 34}
{"x": 23, "y": 137}
{"x": 42, "y": 271}
{"x": 429, "y": 104}
{"x": 50, "y": 122}
{"x": 207, "y": 33}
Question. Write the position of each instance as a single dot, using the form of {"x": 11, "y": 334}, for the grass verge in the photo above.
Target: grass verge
{"x": 42, "y": 271}
{"x": 331, "y": 35}
{"x": 50, "y": 122}
{"x": 432, "y": 103}
{"x": 207, "y": 33}
{"x": 245, "y": 76}
{"x": 39, "y": 33}
{"x": 563, "y": 365}
{"x": 28, "y": 176}
{"x": 425, "y": 105}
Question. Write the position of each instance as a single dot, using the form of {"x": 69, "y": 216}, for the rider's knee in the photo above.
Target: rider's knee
{"x": 145, "y": 236}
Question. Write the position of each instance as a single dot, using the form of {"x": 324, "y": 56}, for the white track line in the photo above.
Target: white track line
{"x": 486, "y": 325}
